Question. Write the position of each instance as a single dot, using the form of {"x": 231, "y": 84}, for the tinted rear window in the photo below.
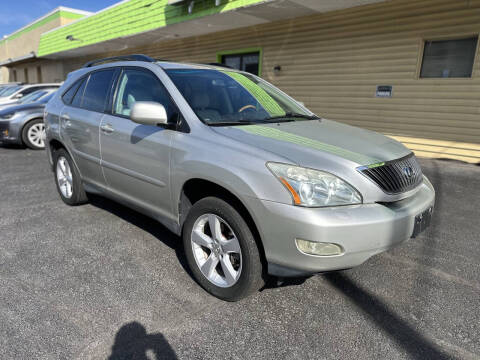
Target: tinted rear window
{"x": 98, "y": 90}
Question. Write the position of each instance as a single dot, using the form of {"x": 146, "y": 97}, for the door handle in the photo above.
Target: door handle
{"x": 107, "y": 128}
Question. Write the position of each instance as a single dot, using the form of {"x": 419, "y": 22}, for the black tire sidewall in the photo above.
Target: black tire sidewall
{"x": 78, "y": 193}
{"x": 25, "y": 140}
{"x": 251, "y": 276}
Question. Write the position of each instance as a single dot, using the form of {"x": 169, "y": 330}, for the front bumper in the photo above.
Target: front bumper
{"x": 362, "y": 231}
{"x": 9, "y": 133}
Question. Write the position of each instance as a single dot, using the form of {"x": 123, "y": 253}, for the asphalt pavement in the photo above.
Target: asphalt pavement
{"x": 100, "y": 281}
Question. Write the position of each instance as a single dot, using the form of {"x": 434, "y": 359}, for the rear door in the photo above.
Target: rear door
{"x": 80, "y": 122}
{"x": 135, "y": 158}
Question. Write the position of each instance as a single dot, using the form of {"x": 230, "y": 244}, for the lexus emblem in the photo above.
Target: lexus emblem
{"x": 408, "y": 171}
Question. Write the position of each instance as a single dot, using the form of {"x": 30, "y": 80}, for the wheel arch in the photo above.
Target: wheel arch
{"x": 195, "y": 189}
{"x": 54, "y": 145}
{"x": 28, "y": 121}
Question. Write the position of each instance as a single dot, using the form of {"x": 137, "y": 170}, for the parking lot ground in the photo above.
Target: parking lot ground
{"x": 102, "y": 281}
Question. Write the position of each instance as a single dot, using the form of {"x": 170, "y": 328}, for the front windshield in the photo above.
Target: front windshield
{"x": 229, "y": 97}
{"x": 34, "y": 96}
{"x": 9, "y": 91}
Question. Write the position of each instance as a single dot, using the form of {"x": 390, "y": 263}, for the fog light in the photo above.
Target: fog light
{"x": 5, "y": 133}
{"x": 318, "y": 248}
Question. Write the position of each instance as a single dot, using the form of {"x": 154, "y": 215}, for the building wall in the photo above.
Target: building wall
{"x": 51, "y": 71}
{"x": 333, "y": 62}
{"x": 27, "y": 41}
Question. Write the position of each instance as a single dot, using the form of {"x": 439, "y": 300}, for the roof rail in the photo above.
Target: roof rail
{"x": 220, "y": 65}
{"x": 133, "y": 57}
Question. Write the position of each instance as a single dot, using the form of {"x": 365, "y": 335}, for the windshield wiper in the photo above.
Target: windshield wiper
{"x": 232, "y": 123}
{"x": 290, "y": 115}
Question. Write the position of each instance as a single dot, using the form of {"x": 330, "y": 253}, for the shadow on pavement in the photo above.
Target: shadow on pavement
{"x": 12, "y": 147}
{"x": 133, "y": 342}
{"x": 412, "y": 341}
{"x": 145, "y": 223}
{"x": 168, "y": 238}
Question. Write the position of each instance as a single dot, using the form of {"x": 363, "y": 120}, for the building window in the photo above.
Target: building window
{"x": 25, "y": 72}
{"x": 39, "y": 75}
{"x": 449, "y": 58}
{"x": 14, "y": 72}
{"x": 246, "y": 60}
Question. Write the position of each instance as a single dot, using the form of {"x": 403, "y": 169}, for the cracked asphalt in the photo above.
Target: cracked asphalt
{"x": 101, "y": 281}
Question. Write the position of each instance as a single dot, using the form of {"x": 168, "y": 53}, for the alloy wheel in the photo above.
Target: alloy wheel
{"x": 64, "y": 177}
{"x": 216, "y": 250}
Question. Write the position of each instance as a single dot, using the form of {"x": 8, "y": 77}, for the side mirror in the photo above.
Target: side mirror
{"x": 18, "y": 96}
{"x": 148, "y": 113}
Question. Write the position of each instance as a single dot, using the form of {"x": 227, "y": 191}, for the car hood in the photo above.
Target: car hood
{"x": 307, "y": 142}
{"x": 7, "y": 104}
{"x": 21, "y": 107}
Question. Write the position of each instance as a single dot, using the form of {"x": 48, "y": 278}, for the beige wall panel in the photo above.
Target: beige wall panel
{"x": 25, "y": 44}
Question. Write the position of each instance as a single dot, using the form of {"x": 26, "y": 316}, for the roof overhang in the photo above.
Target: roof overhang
{"x": 263, "y": 12}
{"x": 19, "y": 60}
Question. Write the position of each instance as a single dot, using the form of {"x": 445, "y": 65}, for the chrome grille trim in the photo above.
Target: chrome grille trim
{"x": 396, "y": 176}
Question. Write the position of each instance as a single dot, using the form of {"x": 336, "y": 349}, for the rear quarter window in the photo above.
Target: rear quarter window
{"x": 78, "y": 97}
{"x": 70, "y": 93}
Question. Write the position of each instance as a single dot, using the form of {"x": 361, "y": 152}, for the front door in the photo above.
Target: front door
{"x": 135, "y": 157}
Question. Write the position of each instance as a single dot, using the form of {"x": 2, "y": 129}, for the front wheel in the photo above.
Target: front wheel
{"x": 221, "y": 250}
{"x": 33, "y": 134}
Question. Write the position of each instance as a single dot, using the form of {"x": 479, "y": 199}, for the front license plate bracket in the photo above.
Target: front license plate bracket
{"x": 422, "y": 221}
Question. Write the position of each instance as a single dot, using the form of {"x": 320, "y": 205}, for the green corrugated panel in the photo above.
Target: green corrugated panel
{"x": 130, "y": 18}
{"x": 267, "y": 102}
{"x": 280, "y": 135}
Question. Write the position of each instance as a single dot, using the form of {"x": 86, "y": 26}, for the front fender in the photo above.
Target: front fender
{"x": 254, "y": 182}
{"x": 238, "y": 168}
{"x": 18, "y": 122}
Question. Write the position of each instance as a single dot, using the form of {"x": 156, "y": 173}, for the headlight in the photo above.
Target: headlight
{"x": 7, "y": 116}
{"x": 314, "y": 188}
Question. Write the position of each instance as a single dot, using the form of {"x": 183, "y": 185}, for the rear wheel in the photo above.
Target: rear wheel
{"x": 221, "y": 250}
{"x": 33, "y": 134}
{"x": 69, "y": 184}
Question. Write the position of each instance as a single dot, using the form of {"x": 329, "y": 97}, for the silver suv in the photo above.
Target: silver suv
{"x": 253, "y": 182}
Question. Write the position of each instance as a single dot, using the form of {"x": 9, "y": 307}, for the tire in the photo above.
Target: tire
{"x": 33, "y": 134}
{"x": 71, "y": 192}
{"x": 227, "y": 282}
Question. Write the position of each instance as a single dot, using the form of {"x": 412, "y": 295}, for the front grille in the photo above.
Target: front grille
{"x": 396, "y": 176}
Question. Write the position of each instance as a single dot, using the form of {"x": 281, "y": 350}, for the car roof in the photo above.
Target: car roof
{"x": 41, "y": 84}
{"x": 178, "y": 65}
{"x": 162, "y": 63}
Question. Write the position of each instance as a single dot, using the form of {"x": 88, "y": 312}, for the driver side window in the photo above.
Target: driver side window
{"x": 137, "y": 85}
